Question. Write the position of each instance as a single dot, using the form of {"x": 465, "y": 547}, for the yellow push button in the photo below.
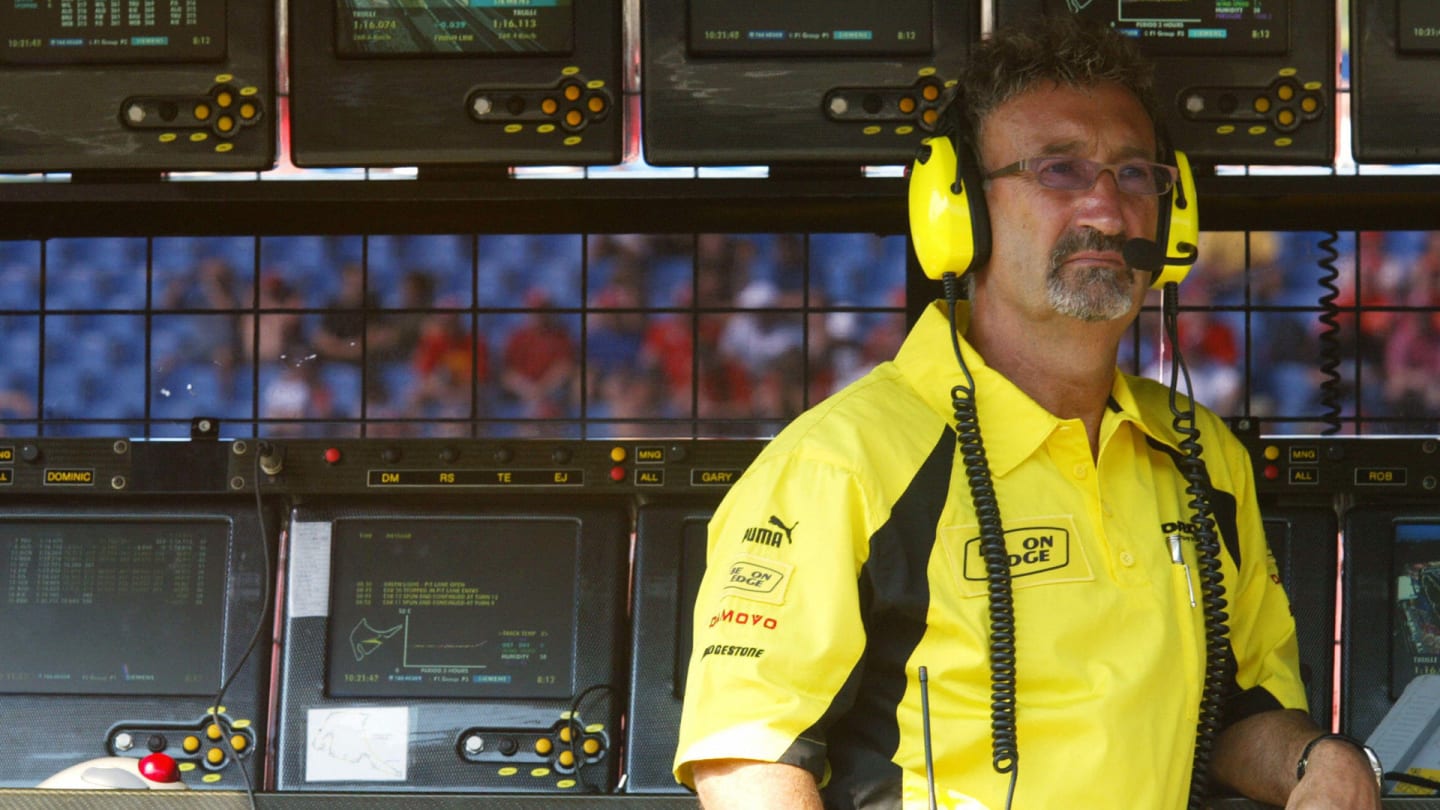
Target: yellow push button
{"x": 214, "y": 756}
{"x": 1285, "y": 118}
{"x": 249, "y": 111}
{"x": 930, "y": 93}
{"x": 572, "y": 92}
{"x": 566, "y": 759}
{"x": 1285, "y": 92}
{"x": 190, "y": 744}
{"x": 574, "y": 118}
{"x": 566, "y": 735}
{"x": 202, "y": 112}
{"x": 1262, "y": 104}
{"x": 549, "y": 106}
{"x": 591, "y": 746}
{"x": 225, "y": 123}
{"x": 224, "y": 99}
{"x": 543, "y": 746}
{"x": 214, "y": 732}
{"x": 239, "y": 742}
{"x": 596, "y": 104}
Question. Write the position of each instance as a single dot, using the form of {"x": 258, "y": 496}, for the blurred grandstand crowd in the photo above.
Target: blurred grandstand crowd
{"x": 636, "y": 335}
{"x": 570, "y": 335}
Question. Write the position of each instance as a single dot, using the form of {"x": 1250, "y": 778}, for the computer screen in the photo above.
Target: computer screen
{"x": 83, "y": 601}
{"x": 1395, "y": 81}
{"x": 1199, "y": 27}
{"x": 433, "y": 608}
{"x": 1239, "y": 81}
{"x": 1392, "y": 608}
{"x": 839, "y": 84}
{"x": 456, "y": 83}
{"x": 112, "y": 33}
{"x": 1415, "y": 647}
{"x": 137, "y": 86}
{"x": 453, "y": 27}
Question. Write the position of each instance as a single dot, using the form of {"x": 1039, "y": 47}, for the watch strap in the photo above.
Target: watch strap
{"x": 1369, "y": 753}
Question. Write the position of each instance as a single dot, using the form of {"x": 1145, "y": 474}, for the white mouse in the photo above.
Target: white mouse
{"x": 152, "y": 772}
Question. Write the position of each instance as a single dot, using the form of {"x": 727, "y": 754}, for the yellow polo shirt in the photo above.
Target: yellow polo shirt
{"x": 847, "y": 557}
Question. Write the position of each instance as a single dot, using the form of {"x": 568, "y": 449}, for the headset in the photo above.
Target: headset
{"x": 950, "y": 224}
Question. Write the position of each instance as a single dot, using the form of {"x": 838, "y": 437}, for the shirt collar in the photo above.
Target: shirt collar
{"x": 1013, "y": 426}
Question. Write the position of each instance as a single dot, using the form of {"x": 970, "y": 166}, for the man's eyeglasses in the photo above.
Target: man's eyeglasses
{"x": 1078, "y": 174}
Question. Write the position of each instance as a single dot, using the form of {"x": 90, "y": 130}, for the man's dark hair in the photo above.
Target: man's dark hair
{"x": 1054, "y": 49}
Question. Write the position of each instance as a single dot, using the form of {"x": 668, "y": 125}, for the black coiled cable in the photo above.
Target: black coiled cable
{"x": 1005, "y": 751}
{"x": 1330, "y": 336}
{"x": 1207, "y": 552}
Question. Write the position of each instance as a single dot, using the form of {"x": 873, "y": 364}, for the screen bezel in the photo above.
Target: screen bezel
{"x": 43, "y": 730}
{"x": 664, "y": 543}
{"x": 1307, "y": 565}
{"x": 437, "y": 725}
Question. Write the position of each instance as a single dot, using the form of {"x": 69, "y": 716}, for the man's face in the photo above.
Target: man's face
{"x": 1058, "y": 251}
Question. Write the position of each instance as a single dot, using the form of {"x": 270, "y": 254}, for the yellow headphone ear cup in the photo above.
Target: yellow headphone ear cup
{"x": 1180, "y": 227}
{"x": 942, "y": 225}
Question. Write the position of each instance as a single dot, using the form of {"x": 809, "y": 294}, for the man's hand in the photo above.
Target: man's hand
{"x": 1337, "y": 777}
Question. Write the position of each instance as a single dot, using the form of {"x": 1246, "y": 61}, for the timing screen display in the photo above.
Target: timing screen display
{"x": 805, "y": 28}
{"x": 1419, "y": 22}
{"x": 67, "y": 32}
{"x": 1415, "y": 643}
{"x": 368, "y": 28}
{"x": 112, "y": 606}
{"x": 432, "y": 607}
{"x": 1192, "y": 27}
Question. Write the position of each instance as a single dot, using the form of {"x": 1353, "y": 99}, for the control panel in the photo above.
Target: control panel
{"x": 1372, "y": 465}
{"x": 368, "y": 466}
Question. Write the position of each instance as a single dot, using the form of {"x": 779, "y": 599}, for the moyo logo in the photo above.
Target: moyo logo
{"x": 741, "y": 617}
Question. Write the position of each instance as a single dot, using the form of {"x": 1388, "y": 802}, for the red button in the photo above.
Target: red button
{"x": 1271, "y": 472}
{"x": 332, "y": 455}
{"x": 159, "y": 768}
{"x": 617, "y": 474}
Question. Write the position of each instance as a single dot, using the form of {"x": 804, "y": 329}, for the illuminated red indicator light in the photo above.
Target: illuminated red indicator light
{"x": 332, "y": 455}
{"x": 1271, "y": 472}
{"x": 617, "y": 474}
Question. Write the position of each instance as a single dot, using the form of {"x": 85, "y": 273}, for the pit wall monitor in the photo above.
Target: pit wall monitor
{"x": 119, "y": 618}
{"x": 454, "y": 645}
{"x": 1391, "y": 608}
{"x": 1239, "y": 81}
{"x": 141, "y": 86}
{"x": 846, "y": 82}
{"x": 445, "y": 83}
{"x": 1395, "y": 81}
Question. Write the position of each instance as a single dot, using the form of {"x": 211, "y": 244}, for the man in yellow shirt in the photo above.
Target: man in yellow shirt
{"x": 849, "y": 556}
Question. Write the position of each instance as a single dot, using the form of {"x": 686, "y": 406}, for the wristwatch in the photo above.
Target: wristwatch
{"x": 1360, "y": 746}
